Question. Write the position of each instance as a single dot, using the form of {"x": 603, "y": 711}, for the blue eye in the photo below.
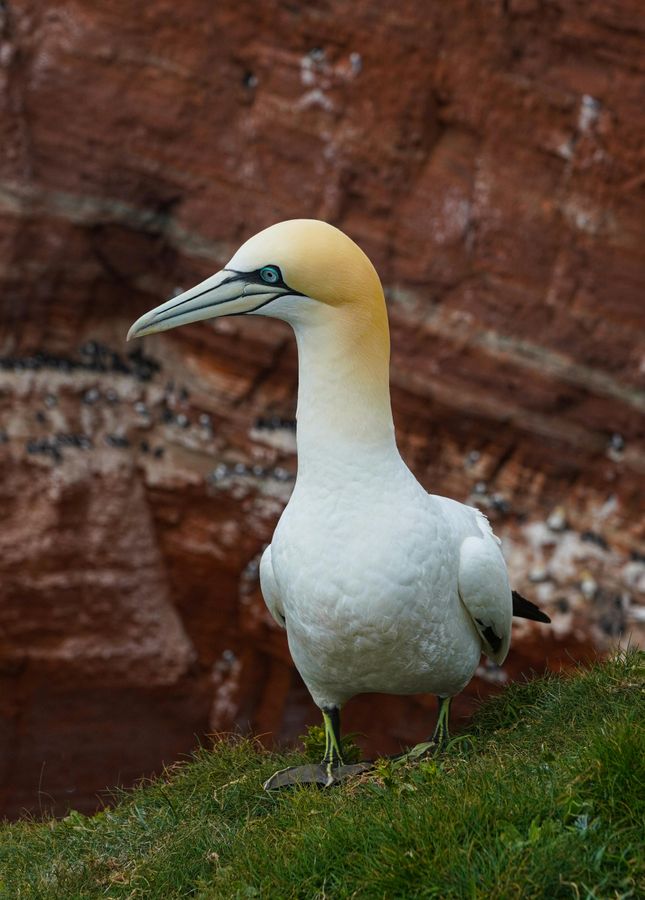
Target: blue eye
{"x": 270, "y": 274}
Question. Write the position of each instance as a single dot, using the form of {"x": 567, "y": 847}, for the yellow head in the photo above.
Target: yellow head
{"x": 291, "y": 271}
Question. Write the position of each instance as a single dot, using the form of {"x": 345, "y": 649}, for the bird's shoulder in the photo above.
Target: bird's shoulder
{"x": 468, "y": 520}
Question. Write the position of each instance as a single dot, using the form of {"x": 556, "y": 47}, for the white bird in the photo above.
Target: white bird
{"x": 380, "y": 585}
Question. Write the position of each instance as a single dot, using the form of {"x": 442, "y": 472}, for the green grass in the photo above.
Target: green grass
{"x": 544, "y": 798}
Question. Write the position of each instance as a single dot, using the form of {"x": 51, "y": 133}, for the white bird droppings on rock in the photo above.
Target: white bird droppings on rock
{"x": 557, "y": 520}
{"x": 538, "y": 575}
{"x": 588, "y": 113}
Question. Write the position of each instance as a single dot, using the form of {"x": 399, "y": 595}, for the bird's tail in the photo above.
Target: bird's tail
{"x": 524, "y": 609}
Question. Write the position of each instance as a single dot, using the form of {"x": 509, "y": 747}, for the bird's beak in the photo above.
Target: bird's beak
{"x": 227, "y": 293}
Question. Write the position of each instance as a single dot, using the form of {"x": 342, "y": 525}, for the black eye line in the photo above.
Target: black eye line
{"x": 255, "y": 277}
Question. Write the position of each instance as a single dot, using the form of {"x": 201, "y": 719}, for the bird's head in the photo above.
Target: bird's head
{"x": 301, "y": 271}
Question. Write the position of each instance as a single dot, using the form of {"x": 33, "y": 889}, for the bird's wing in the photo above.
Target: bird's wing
{"x": 270, "y": 588}
{"x": 485, "y": 591}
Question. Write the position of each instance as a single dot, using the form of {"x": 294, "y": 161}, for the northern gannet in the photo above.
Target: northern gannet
{"x": 381, "y": 586}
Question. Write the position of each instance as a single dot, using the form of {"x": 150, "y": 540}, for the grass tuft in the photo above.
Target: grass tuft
{"x": 544, "y": 799}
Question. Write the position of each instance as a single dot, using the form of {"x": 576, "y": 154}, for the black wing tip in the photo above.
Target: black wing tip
{"x": 493, "y": 640}
{"x": 524, "y": 609}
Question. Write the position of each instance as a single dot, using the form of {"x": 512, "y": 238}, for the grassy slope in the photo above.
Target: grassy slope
{"x": 546, "y": 798}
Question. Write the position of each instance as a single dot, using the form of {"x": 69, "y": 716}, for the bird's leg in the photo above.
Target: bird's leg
{"x": 333, "y": 754}
{"x": 439, "y": 739}
{"x": 441, "y": 735}
{"x": 331, "y": 770}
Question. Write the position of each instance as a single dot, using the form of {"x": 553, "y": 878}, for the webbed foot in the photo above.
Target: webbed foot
{"x": 322, "y": 775}
{"x": 437, "y": 743}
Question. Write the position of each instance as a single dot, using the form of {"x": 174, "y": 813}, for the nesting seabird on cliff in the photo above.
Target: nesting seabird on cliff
{"x": 381, "y": 586}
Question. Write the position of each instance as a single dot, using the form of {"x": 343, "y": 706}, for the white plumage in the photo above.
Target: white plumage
{"x": 380, "y": 585}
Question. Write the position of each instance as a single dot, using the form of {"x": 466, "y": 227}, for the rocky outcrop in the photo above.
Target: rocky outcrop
{"x": 485, "y": 155}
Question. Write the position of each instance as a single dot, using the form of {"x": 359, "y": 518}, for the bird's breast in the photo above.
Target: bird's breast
{"x": 368, "y": 584}
{"x": 361, "y": 566}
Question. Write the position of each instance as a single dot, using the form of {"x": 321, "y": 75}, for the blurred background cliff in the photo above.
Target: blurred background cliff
{"x": 488, "y": 156}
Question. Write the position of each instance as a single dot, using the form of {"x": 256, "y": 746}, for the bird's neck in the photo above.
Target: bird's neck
{"x": 344, "y": 412}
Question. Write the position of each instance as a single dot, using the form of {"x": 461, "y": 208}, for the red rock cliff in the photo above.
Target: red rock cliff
{"x": 487, "y": 155}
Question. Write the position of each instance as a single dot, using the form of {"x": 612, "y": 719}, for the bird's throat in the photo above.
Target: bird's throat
{"x": 343, "y": 393}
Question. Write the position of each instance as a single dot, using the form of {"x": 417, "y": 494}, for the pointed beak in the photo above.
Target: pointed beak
{"x": 227, "y": 293}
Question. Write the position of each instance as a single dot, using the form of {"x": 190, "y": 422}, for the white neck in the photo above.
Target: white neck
{"x": 344, "y": 414}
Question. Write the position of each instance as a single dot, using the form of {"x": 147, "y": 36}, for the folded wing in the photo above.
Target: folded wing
{"x": 486, "y": 593}
{"x": 269, "y": 587}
